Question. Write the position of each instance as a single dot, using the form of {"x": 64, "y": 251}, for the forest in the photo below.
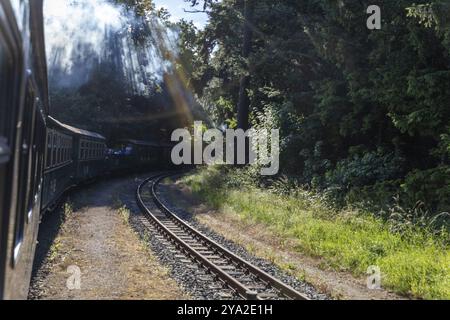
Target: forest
{"x": 363, "y": 115}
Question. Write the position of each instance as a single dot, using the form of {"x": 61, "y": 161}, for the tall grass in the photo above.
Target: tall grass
{"x": 414, "y": 262}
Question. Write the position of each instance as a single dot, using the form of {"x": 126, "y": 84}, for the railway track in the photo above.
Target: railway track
{"x": 246, "y": 280}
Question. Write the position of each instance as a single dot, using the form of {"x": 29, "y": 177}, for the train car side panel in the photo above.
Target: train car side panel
{"x": 20, "y": 197}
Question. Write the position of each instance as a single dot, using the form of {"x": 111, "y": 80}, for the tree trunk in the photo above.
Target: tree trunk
{"x": 244, "y": 100}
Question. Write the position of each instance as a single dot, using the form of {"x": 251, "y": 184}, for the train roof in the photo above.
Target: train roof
{"x": 76, "y": 130}
{"x": 141, "y": 143}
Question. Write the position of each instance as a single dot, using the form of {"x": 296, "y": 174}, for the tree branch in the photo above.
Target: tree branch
{"x": 194, "y": 11}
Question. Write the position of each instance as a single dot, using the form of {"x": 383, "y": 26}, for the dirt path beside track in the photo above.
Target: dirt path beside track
{"x": 91, "y": 236}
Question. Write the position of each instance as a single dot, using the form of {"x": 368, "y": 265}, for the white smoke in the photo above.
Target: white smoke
{"x": 80, "y": 34}
{"x": 70, "y": 23}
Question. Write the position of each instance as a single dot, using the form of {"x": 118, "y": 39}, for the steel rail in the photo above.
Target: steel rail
{"x": 234, "y": 260}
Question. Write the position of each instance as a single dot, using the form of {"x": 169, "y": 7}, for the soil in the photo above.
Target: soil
{"x": 90, "y": 235}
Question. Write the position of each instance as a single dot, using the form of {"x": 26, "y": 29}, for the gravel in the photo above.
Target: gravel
{"x": 199, "y": 284}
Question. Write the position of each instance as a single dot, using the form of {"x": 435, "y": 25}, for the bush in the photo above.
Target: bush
{"x": 367, "y": 169}
{"x": 431, "y": 187}
{"x": 412, "y": 260}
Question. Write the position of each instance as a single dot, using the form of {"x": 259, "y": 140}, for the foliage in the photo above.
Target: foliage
{"x": 104, "y": 104}
{"x": 413, "y": 260}
{"x": 357, "y": 108}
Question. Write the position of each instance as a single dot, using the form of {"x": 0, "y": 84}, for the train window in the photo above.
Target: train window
{"x": 52, "y": 156}
{"x": 68, "y": 149}
{"x": 58, "y": 142}
{"x": 3, "y": 74}
{"x": 55, "y": 137}
{"x": 32, "y": 158}
{"x": 49, "y": 149}
{"x": 55, "y": 149}
{"x": 58, "y": 148}
{"x": 64, "y": 150}
{"x": 23, "y": 194}
{"x": 61, "y": 158}
{"x": 83, "y": 150}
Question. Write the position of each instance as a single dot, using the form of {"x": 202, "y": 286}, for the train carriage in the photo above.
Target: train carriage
{"x": 136, "y": 154}
{"x": 72, "y": 156}
{"x": 40, "y": 157}
{"x": 59, "y": 164}
{"x": 165, "y": 158}
{"x": 23, "y": 104}
{"x": 143, "y": 153}
{"x": 91, "y": 149}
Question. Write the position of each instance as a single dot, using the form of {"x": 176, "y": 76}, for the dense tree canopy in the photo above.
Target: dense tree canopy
{"x": 361, "y": 111}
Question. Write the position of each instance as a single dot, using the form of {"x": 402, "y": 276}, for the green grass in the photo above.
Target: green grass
{"x": 124, "y": 214}
{"x": 414, "y": 263}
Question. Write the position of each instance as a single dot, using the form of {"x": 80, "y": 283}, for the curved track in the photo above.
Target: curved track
{"x": 245, "y": 279}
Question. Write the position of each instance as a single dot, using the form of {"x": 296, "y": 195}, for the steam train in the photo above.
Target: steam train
{"x": 40, "y": 157}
